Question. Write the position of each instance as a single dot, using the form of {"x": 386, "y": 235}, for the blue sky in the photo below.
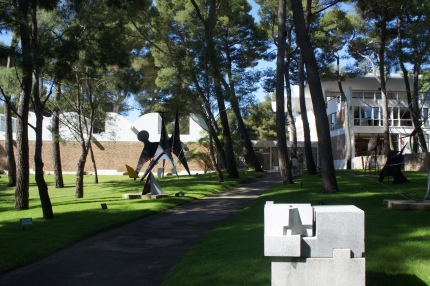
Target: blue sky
{"x": 133, "y": 115}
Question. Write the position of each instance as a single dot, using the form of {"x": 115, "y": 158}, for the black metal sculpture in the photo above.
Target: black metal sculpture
{"x": 154, "y": 152}
{"x": 393, "y": 167}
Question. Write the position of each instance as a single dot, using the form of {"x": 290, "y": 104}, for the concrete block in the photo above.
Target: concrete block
{"x": 319, "y": 271}
{"x": 280, "y": 218}
{"x": 282, "y": 245}
{"x": 335, "y": 227}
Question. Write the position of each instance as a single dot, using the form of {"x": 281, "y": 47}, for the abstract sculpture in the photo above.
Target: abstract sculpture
{"x": 315, "y": 245}
{"x": 393, "y": 167}
{"x": 154, "y": 152}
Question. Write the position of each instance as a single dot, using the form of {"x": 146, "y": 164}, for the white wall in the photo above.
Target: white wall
{"x": 118, "y": 128}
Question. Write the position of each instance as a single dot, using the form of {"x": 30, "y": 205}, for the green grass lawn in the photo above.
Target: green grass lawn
{"x": 75, "y": 219}
{"x": 397, "y": 242}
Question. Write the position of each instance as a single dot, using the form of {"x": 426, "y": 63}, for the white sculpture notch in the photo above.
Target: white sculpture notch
{"x": 315, "y": 245}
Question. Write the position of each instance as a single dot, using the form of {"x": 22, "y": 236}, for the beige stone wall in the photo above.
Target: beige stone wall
{"x": 108, "y": 156}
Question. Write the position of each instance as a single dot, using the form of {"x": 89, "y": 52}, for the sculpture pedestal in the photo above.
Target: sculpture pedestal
{"x": 407, "y": 205}
{"x": 315, "y": 245}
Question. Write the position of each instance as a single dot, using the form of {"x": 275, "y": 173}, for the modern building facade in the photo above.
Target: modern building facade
{"x": 366, "y": 117}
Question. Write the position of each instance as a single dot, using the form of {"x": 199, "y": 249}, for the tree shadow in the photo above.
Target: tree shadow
{"x": 382, "y": 278}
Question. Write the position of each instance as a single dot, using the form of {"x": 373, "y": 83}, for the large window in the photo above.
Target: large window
{"x": 3, "y": 124}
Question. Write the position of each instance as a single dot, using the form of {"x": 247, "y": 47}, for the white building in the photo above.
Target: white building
{"x": 364, "y": 98}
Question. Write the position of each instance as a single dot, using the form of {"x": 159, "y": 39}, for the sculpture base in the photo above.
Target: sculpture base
{"x": 319, "y": 271}
{"x": 407, "y": 205}
{"x": 144, "y": 197}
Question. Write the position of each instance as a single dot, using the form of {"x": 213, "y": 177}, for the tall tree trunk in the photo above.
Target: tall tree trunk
{"x": 23, "y": 166}
{"x": 284, "y": 166}
{"x": 226, "y": 134}
{"x": 328, "y": 175}
{"x": 292, "y": 123}
{"x": 214, "y": 70}
{"x": 348, "y": 154}
{"x": 39, "y": 108}
{"x": 213, "y": 159}
{"x": 38, "y": 163}
{"x": 93, "y": 160}
{"x": 414, "y": 116}
{"x": 11, "y": 163}
{"x": 413, "y": 100}
{"x": 248, "y": 149}
{"x": 56, "y": 154}
{"x": 310, "y": 162}
{"x": 417, "y": 116}
{"x": 80, "y": 170}
{"x": 384, "y": 101}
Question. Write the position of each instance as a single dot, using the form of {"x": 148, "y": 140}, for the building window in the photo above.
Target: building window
{"x": 2, "y": 123}
{"x": 425, "y": 115}
{"x": 333, "y": 121}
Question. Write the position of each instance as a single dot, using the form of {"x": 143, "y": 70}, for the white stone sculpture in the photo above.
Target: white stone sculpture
{"x": 315, "y": 245}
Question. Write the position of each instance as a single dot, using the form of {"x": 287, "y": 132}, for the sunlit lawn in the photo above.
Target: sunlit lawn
{"x": 75, "y": 219}
{"x": 397, "y": 242}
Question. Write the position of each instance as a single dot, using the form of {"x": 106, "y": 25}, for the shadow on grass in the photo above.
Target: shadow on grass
{"x": 382, "y": 278}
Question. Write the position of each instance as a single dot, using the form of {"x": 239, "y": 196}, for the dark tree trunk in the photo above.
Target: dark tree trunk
{"x": 413, "y": 107}
{"x": 22, "y": 170}
{"x": 11, "y": 164}
{"x": 310, "y": 162}
{"x": 93, "y": 160}
{"x": 384, "y": 101}
{"x": 40, "y": 180}
{"x": 213, "y": 159}
{"x": 248, "y": 149}
{"x": 284, "y": 166}
{"x": 218, "y": 144}
{"x": 292, "y": 123}
{"x": 39, "y": 108}
{"x": 226, "y": 134}
{"x": 80, "y": 171}
{"x": 56, "y": 154}
{"x": 214, "y": 70}
{"x": 348, "y": 154}
{"x": 328, "y": 175}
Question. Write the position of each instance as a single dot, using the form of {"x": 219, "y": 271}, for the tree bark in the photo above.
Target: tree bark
{"x": 248, "y": 149}
{"x": 56, "y": 154}
{"x": 310, "y": 162}
{"x": 328, "y": 175}
{"x": 22, "y": 174}
{"x": 80, "y": 170}
{"x": 284, "y": 166}
{"x": 11, "y": 164}
{"x": 39, "y": 108}
{"x": 348, "y": 154}
{"x": 226, "y": 134}
{"x": 213, "y": 159}
{"x": 292, "y": 123}
{"x": 93, "y": 160}
{"x": 384, "y": 101}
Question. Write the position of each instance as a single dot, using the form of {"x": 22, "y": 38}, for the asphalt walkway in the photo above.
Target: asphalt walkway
{"x": 143, "y": 251}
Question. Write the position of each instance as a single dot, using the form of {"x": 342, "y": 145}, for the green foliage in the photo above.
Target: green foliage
{"x": 397, "y": 248}
{"x": 425, "y": 81}
{"x": 75, "y": 219}
{"x": 262, "y": 120}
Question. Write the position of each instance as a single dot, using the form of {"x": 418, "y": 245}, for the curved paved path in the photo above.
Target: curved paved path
{"x": 143, "y": 251}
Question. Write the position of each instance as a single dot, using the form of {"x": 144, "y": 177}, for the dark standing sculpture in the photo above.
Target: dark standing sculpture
{"x": 393, "y": 167}
{"x": 156, "y": 151}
